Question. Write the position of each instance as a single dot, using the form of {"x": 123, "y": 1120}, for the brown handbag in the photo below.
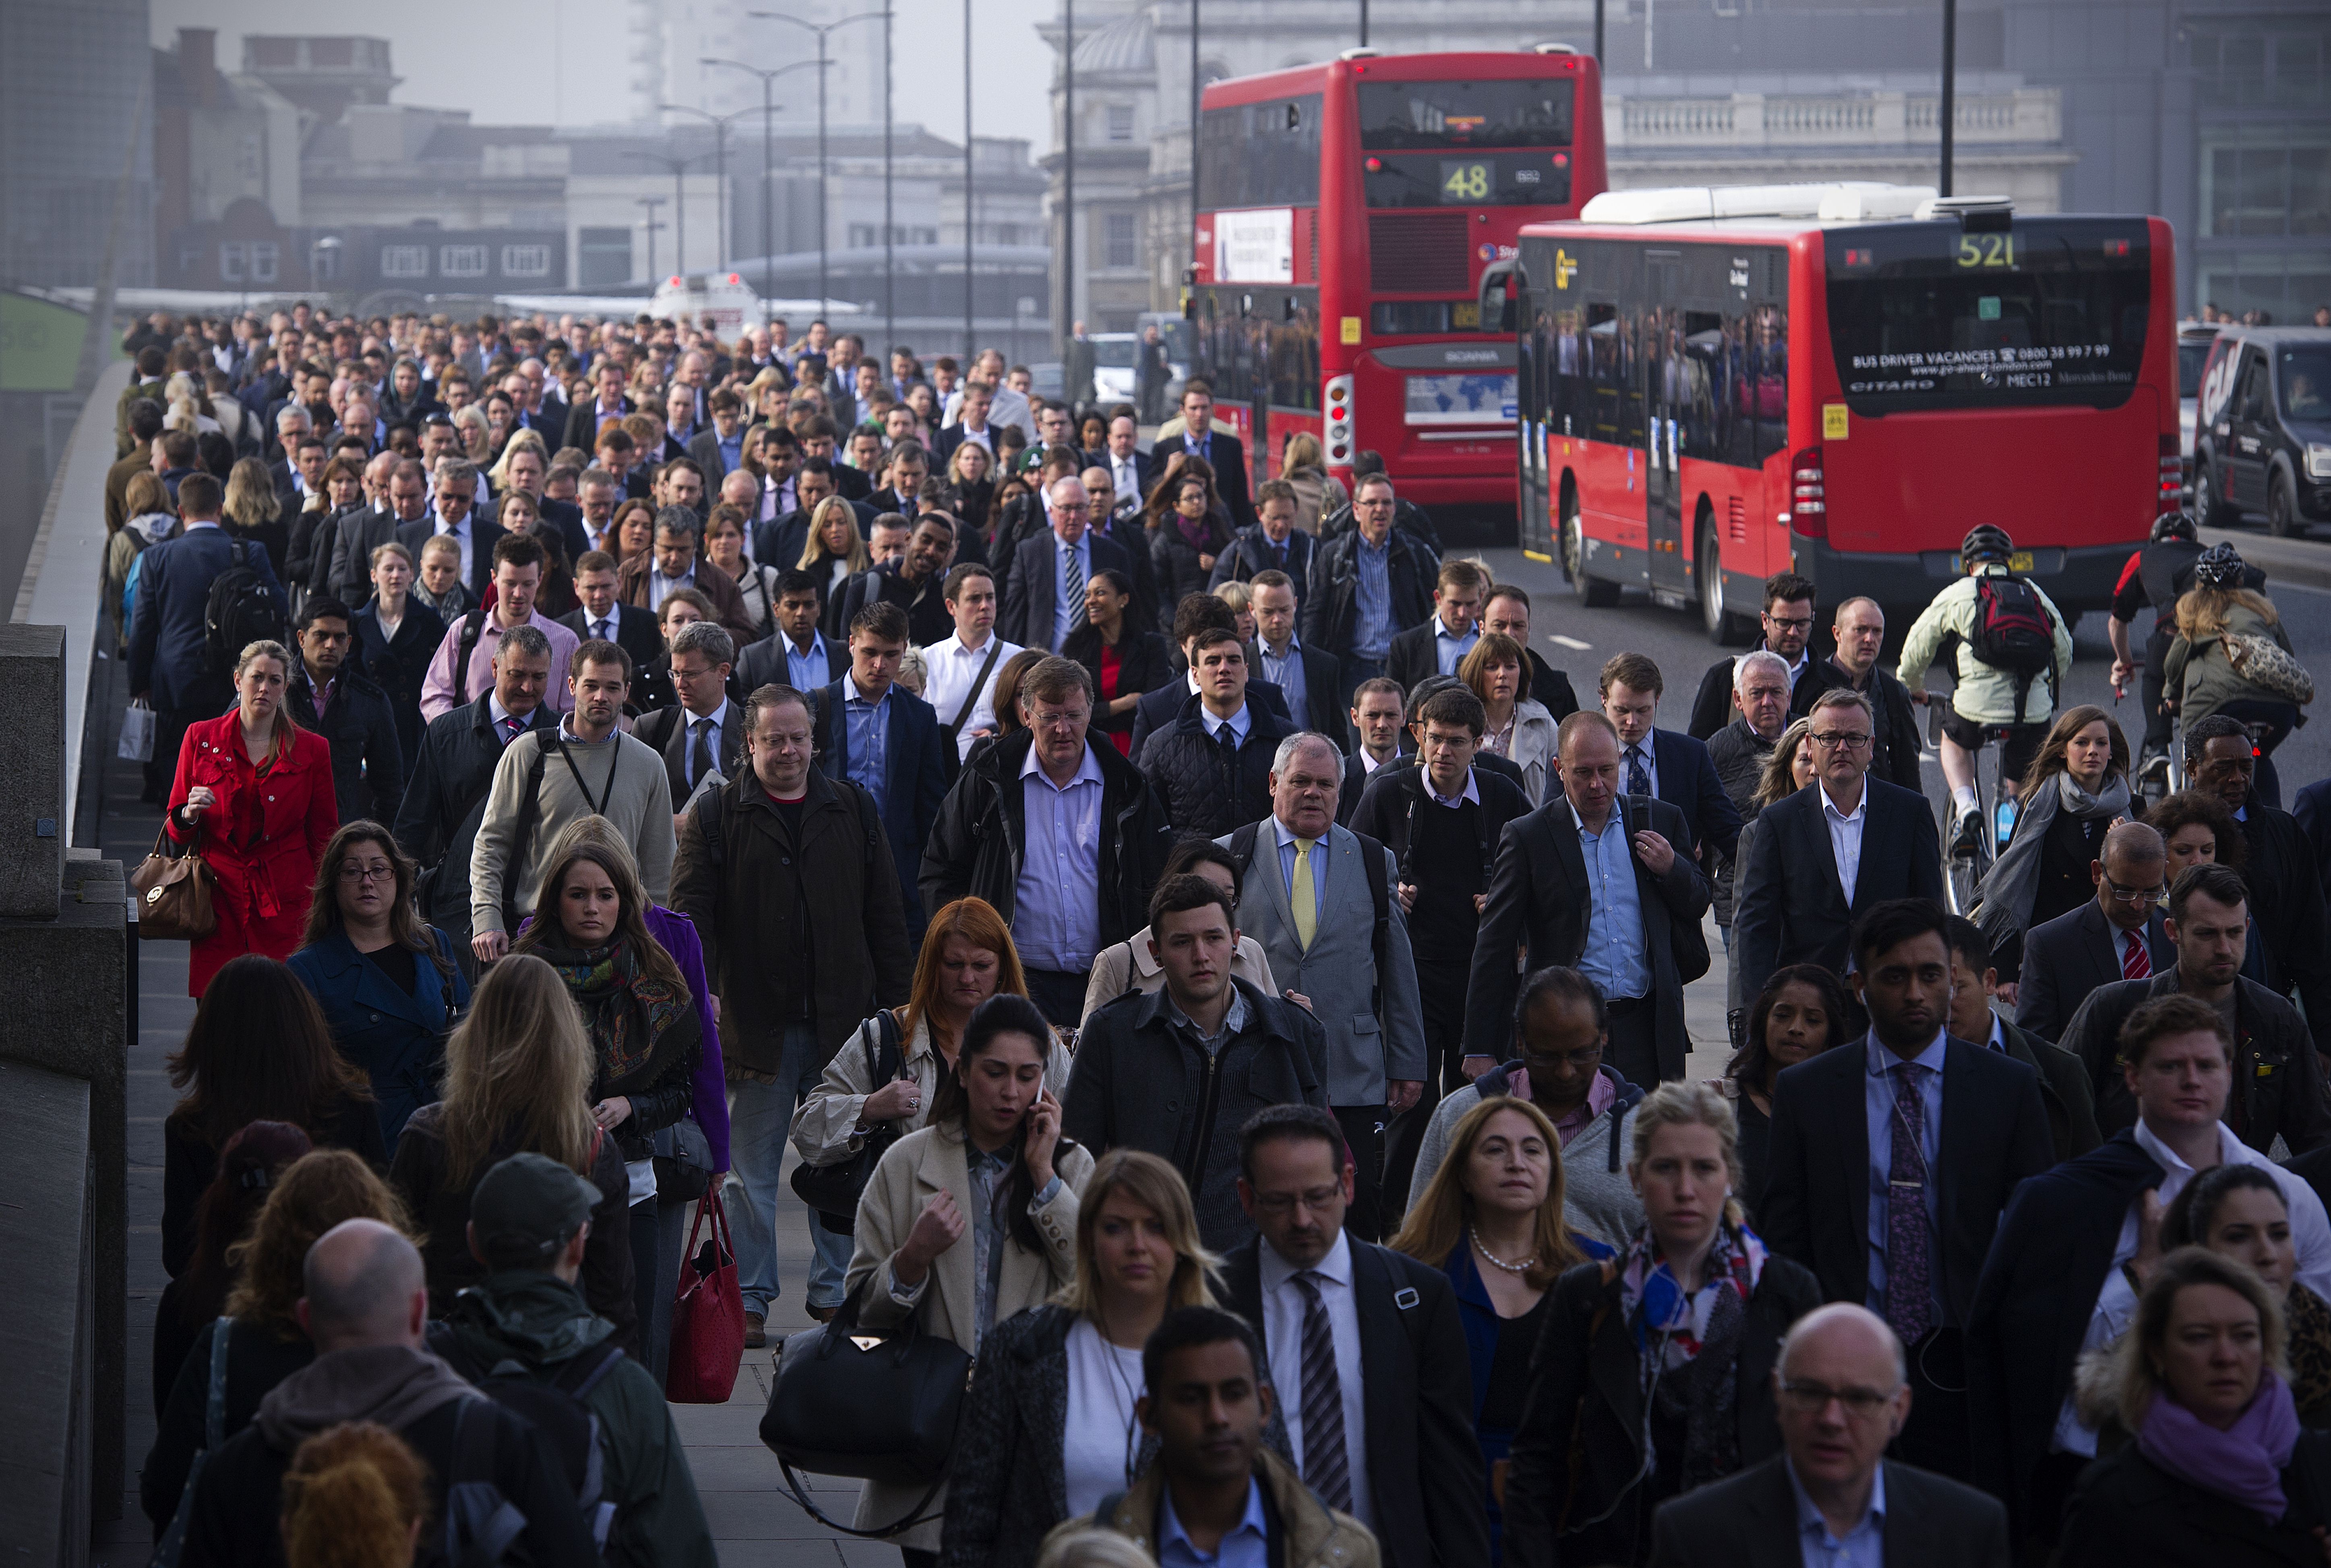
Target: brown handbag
{"x": 174, "y": 894}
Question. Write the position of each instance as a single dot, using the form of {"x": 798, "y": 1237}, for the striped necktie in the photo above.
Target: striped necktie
{"x": 1327, "y": 1456}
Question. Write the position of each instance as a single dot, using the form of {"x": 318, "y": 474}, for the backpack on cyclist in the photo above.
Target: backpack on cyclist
{"x": 238, "y": 611}
{"x": 553, "y": 1406}
{"x": 2013, "y": 632}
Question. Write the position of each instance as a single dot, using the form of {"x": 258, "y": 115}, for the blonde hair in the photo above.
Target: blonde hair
{"x": 286, "y": 729}
{"x": 1096, "y": 1547}
{"x": 2206, "y": 612}
{"x": 2135, "y": 1379}
{"x": 352, "y": 1498}
{"x": 1691, "y": 1105}
{"x": 1438, "y": 1221}
{"x": 1236, "y": 594}
{"x": 1155, "y": 1184}
{"x": 815, "y": 553}
{"x": 521, "y": 1062}
{"x": 1303, "y": 451}
{"x": 1779, "y": 779}
{"x": 249, "y": 495}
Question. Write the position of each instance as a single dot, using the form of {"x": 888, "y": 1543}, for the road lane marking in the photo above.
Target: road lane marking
{"x": 1570, "y": 642}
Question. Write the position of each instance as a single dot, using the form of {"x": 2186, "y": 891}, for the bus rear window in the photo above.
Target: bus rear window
{"x": 1924, "y": 316}
{"x": 1396, "y": 116}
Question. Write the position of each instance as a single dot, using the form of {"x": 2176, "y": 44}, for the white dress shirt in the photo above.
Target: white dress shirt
{"x": 950, "y": 668}
{"x": 1845, "y": 838}
{"x": 1282, "y": 1317}
{"x": 462, "y": 533}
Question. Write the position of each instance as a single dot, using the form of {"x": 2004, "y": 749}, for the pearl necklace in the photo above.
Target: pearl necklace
{"x": 1524, "y": 1266}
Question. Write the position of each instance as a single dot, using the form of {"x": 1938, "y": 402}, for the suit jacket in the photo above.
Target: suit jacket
{"x": 1365, "y": 1050}
{"x": 484, "y": 535}
{"x": 1749, "y": 1520}
{"x": 2287, "y": 903}
{"x": 1249, "y": 553}
{"x": 1330, "y": 618}
{"x": 583, "y": 422}
{"x": 1161, "y": 709}
{"x": 344, "y": 570}
{"x": 2066, "y": 958}
{"x": 1425, "y": 1473}
{"x": 563, "y": 517}
{"x": 671, "y": 731}
{"x": 168, "y": 634}
{"x": 1540, "y": 897}
{"x": 1687, "y": 781}
{"x": 1817, "y": 1190}
{"x": 1031, "y": 587}
{"x": 632, "y": 586}
{"x": 1416, "y": 654}
{"x": 765, "y": 663}
{"x": 704, "y": 447}
{"x": 922, "y": 768}
{"x": 2064, "y": 1090}
{"x": 1228, "y": 462}
{"x": 928, "y": 620}
{"x": 1322, "y": 691}
{"x": 1791, "y": 909}
{"x": 445, "y": 802}
{"x": 635, "y": 633}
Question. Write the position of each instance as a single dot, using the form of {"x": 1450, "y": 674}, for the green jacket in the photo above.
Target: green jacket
{"x": 1984, "y": 695}
{"x": 540, "y": 1321}
{"x": 2201, "y": 678}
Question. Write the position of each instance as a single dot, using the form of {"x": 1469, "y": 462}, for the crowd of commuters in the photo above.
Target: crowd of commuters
{"x": 1216, "y": 973}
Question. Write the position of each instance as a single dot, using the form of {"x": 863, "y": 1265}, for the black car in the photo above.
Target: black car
{"x": 2262, "y": 438}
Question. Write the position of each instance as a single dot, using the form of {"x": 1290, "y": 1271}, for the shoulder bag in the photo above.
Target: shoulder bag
{"x": 174, "y": 893}
{"x": 2261, "y": 662}
{"x": 833, "y": 1190}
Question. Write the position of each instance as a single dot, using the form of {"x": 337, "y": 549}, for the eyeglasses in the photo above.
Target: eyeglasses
{"x": 2135, "y": 894}
{"x": 350, "y": 872}
{"x": 1791, "y": 624}
{"x": 1839, "y": 740}
{"x": 1316, "y": 1199}
{"x": 1813, "y": 1398}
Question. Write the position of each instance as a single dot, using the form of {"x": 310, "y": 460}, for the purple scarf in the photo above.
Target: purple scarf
{"x": 2243, "y": 1464}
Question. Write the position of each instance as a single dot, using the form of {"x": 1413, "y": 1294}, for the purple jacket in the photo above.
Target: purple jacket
{"x": 677, "y": 932}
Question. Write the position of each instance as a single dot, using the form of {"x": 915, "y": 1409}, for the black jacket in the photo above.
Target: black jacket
{"x": 398, "y": 665}
{"x": 1416, "y": 654}
{"x": 257, "y": 1359}
{"x": 1175, "y": 565}
{"x": 1817, "y": 1195}
{"x": 1206, "y": 790}
{"x": 1031, "y": 585}
{"x": 445, "y": 802}
{"x": 1407, "y": 516}
{"x": 2279, "y": 1085}
{"x": 2286, "y": 900}
{"x": 1750, "y": 1521}
{"x": 2067, "y": 959}
{"x": 1161, "y": 709}
{"x": 367, "y": 760}
{"x": 1540, "y": 897}
{"x": 928, "y": 620}
{"x": 2032, "y": 1303}
{"x": 2064, "y": 1090}
{"x": 635, "y": 632}
{"x": 671, "y": 731}
{"x": 1249, "y": 553}
{"x": 919, "y": 766}
{"x": 1579, "y": 1451}
{"x": 1228, "y": 461}
{"x": 1738, "y": 753}
{"x": 1331, "y": 605}
{"x": 1712, "y": 705}
{"x": 977, "y": 847}
{"x": 1142, "y": 1083}
{"x": 1896, "y": 742}
{"x": 1790, "y": 908}
{"x": 1425, "y": 1463}
{"x": 1144, "y": 664}
{"x": 2128, "y": 1510}
{"x": 766, "y": 663}
{"x": 1388, "y": 813}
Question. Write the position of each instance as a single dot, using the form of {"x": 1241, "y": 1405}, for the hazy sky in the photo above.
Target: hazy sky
{"x": 485, "y": 71}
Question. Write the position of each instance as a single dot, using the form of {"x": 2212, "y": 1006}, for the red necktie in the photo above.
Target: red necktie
{"x": 2136, "y": 963}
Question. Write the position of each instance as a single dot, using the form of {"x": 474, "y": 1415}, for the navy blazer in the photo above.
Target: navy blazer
{"x": 168, "y": 636}
{"x": 1688, "y": 782}
{"x": 399, "y": 1040}
{"x": 1790, "y": 908}
{"x": 922, "y": 766}
{"x": 2078, "y": 952}
{"x": 1160, "y": 710}
{"x": 484, "y": 535}
{"x": 1032, "y": 584}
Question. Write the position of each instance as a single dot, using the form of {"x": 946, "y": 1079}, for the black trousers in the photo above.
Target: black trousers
{"x": 1938, "y": 1436}
{"x": 2152, "y": 684}
{"x": 1634, "y": 1048}
{"x": 1059, "y": 996}
{"x": 1441, "y": 990}
{"x": 1364, "y": 1130}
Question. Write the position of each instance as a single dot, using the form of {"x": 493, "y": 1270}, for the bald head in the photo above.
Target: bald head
{"x": 1843, "y": 1334}
{"x": 2133, "y": 859}
{"x": 364, "y": 1287}
{"x": 2134, "y": 844}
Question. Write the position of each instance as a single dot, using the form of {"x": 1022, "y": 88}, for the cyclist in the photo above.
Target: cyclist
{"x": 2216, "y": 618}
{"x": 2158, "y": 575}
{"x": 2012, "y": 654}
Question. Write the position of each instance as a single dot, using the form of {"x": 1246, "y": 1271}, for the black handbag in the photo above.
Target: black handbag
{"x": 832, "y": 1191}
{"x": 846, "y": 1403}
{"x": 683, "y": 1161}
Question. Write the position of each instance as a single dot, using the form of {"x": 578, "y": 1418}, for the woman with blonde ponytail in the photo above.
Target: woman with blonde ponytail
{"x": 355, "y": 1496}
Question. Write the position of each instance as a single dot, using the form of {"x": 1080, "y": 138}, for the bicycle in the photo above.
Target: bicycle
{"x": 1964, "y": 870}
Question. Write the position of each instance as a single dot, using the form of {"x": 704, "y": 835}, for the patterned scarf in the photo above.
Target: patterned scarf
{"x": 1693, "y": 1368}
{"x": 637, "y": 1022}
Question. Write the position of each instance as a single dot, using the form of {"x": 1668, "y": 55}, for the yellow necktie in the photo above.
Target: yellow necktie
{"x": 1306, "y": 900}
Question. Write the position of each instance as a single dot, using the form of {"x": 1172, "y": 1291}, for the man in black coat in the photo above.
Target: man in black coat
{"x": 1672, "y": 767}
{"x": 2285, "y": 893}
{"x": 346, "y": 573}
{"x": 1440, "y": 645}
{"x": 1792, "y": 905}
{"x": 2064, "y": 1088}
{"x": 1788, "y": 626}
{"x": 2279, "y": 1076}
{"x": 915, "y": 583}
{"x": 1831, "y": 1459}
{"x": 1739, "y": 753}
{"x": 1308, "y": 676}
{"x": 1894, "y": 1216}
{"x": 1213, "y": 768}
{"x": 1222, "y": 451}
{"x": 980, "y": 846}
{"x": 2118, "y": 934}
{"x": 907, "y": 770}
{"x": 1045, "y": 579}
{"x": 1860, "y": 631}
{"x": 585, "y": 418}
{"x": 1160, "y": 710}
{"x": 1273, "y": 544}
{"x": 368, "y": 761}
{"x": 603, "y": 616}
{"x": 456, "y": 514}
{"x": 1408, "y": 1465}
{"x": 445, "y": 799}
{"x": 702, "y": 733}
{"x": 1542, "y": 895}
{"x": 1358, "y": 627}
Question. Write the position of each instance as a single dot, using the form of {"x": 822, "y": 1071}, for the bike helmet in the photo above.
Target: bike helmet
{"x": 1985, "y": 542}
{"x": 2219, "y": 566}
{"x": 2175, "y": 526}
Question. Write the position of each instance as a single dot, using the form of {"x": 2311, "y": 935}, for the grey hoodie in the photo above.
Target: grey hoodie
{"x": 393, "y": 1385}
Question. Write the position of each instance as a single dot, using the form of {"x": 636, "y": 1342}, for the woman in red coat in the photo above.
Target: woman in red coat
{"x": 254, "y": 794}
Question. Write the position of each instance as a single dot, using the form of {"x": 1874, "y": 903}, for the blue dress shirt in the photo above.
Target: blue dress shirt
{"x": 732, "y": 450}
{"x": 1056, "y": 915}
{"x": 809, "y": 670}
{"x": 1285, "y": 671}
{"x": 1371, "y": 626}
{"x": 1880, "y": 1087}
{"x": 1614, "y": 956}
{"x": 1240, "y": 723}
{"x": 1451, "y": 649}
{"x": 1863, "y": 1546}
{"x": 867, "y": 764}
{"x": 1246, "y": 1546}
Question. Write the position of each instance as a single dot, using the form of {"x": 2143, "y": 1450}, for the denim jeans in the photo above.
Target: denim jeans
{"x": 759, "y": 1116}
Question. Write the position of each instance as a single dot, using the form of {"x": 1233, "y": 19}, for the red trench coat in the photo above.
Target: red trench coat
{"x": 262, "y": 839}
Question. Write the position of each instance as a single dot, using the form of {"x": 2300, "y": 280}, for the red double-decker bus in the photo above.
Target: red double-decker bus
{"x": 1718, "y": 384}
{"x": 1347, "y": 212}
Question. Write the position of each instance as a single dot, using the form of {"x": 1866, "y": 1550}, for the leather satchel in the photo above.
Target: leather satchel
{"x": 832, "y": 1192}
{"x": 174, "y": 893}
{"x": 2261, "y": 662}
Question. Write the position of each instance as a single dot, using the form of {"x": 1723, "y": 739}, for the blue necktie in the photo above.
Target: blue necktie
{"x": 1639, "y": 782}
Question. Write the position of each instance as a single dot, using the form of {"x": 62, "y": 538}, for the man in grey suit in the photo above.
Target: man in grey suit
{"x": 360, "y": 533}
{"x": 1346, "y": 938}
{"x": 2118, "y": 934}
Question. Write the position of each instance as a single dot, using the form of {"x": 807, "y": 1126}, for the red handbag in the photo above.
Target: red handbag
{"x": 707, "y": 1314}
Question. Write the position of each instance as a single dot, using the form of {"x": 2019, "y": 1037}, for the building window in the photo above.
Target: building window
{"x": 2253, "y": 64}
{"x": 2267, "y": 188}
{"x": 1121, "y": 122}
{"x": 462, "y": 261}
{"x": 190, "y": 256}
{"x": 526, "y": 261}
{"x": 234, "y": 261}
{"x": 404, "y": 261}
{"x": 1123, "y": 240}
{"x": 326, "y": 261}
{"x": 603, "y": 257}
{"x": 266, "y": 261}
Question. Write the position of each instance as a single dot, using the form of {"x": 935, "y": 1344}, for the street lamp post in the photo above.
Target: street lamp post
{"x": 768, "y": 157}
{"x": 1195, "y": 88}
{"x": 720, "y": 123}
{"x": 969, "y": 332}
{"x": 1067, "y": 172}
{"x": 1949, "y": 106}
{"x": 651, "y": 225}
{"x": 679, "y": 167}
{"x": 824, "y": 199}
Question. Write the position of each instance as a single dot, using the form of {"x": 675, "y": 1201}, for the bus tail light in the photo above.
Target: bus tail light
{"x": 1808, "y": 497}
{"x": 1338, "y": 421}
{"x": 2173, "y": 472}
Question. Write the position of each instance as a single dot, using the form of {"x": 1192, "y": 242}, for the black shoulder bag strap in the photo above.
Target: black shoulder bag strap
{"x": 530, "y": 811}
{"x": 1241, "y": 847}
{"x": 473, "y": 628}
{"x": 978, "y": 685}
{"x": 1372, "y": 857}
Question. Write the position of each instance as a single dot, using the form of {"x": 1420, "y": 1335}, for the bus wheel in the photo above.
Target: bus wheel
{"x": 1590, "y": 592}
{"x": 1725, "y": 627}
